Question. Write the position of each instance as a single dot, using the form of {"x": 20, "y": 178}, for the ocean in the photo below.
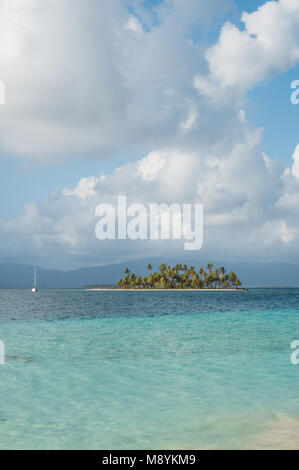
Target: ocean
{"x": 149, "y": 370}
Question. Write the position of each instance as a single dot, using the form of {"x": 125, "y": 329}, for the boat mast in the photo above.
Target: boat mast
{"x": 34, "y": 285}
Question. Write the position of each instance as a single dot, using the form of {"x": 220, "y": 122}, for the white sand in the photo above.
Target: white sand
{"x": 168, "y": 290}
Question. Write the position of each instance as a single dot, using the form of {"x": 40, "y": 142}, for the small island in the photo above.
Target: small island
{"x": 181, "y": 277}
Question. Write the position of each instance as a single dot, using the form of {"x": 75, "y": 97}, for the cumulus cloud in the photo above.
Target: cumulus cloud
{"x": 84, "y": 189}
{"x": 107, "y": 78}
{"x": 250, "y": 204}
{"x": 131, "y": 81}
{"x": 150, "y": 166}
{"x": 268, "y": 44}
{"x": 295, "y": 167}
{"x": 134, "y": 25}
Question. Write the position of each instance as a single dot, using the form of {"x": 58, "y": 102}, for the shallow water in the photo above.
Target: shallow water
{"x": 129, "y": 370}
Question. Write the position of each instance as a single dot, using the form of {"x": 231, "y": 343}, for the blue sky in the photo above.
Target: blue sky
{"x": 165, "y": 102}
{"x": 268, "y": 106}
{"x": 22, "y": 181}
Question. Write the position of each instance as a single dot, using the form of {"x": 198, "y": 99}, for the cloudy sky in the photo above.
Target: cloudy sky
{"x": 162, "y": 100}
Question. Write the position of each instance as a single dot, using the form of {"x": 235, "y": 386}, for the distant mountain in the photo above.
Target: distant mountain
{"x": 277, "y": 274}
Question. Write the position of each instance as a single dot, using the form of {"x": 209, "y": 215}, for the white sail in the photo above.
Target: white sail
{"x": 34, "y": 288}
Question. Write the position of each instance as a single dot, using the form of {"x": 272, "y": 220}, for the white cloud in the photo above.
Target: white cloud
{"x": 115, "y": 86}
{"x": 191, "y": 119}
{"x": 98, "y": 82}
{"x": 295, "y": 167}
{"x": 84, "y": 189}
{"x": 133, "y": 24}
{"x": 250, "y": 208}
{"x": 150, "y": 166}
{"x": 268, "y": 44}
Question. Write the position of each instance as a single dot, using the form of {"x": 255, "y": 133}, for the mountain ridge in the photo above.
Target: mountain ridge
{"x": 252, "y": 274}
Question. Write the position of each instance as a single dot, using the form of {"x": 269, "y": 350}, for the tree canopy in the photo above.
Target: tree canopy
{"x": 182, "y": 277}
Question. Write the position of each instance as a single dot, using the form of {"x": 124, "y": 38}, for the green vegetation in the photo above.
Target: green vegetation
{"x": 181, "y": 277}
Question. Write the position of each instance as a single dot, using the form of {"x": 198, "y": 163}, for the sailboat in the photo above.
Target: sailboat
{"x": 34, "y": 288}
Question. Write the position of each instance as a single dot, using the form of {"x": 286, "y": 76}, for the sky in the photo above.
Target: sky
{"x": 162, "y": 100}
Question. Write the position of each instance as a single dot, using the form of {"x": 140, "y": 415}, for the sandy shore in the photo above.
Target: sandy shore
{"x": 168, "y": 290}
{"x": 282, "y": 434}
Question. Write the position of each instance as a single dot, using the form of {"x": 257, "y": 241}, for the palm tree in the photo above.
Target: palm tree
{"x": 181, "y": 277}
{"x": 168, "y": 275}
{"x": 163, "y": 268}
{"x": 151, "y": 280}
{"x": 202, "y": 272}
{"x": 210, "y": 266}
{"x": 163, "y": 282}
{"x": 216, "y": 277}
{"x": 232, "y": 277}
{"x": 222, "y": 279}
{"x": 209, "y": 279}
{"x": 138, "y": 281}
{"x": 125, "y": 282}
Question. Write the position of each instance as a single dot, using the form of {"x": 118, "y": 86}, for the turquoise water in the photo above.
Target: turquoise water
{"x": 144, "y": 370}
